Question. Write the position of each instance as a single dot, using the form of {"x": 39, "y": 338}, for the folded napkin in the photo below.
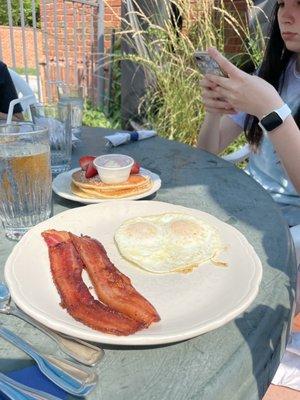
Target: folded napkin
{"x": 55, "y": 127}
{"x": 31, "y": 376}
{"x": 125, "y": 137}
{"x": 288, "y": 372}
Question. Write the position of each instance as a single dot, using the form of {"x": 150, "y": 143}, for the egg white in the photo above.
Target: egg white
{"x": 168, "y": 242}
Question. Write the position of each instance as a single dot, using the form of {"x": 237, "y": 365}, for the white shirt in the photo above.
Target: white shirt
{"x": 265, "y": 167}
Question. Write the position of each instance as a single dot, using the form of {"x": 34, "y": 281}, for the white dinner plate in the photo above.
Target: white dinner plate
{"x": 189, "y": 304}
{"x": 61, "y": 186}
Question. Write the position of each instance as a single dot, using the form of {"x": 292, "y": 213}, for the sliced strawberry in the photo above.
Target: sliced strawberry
{"x": 91, "y": 170}
{"x": 84, "y": 161}
{"x": 135, "y": 169}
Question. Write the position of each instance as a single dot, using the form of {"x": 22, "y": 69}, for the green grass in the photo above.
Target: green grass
{"x": 236, "y": 145}
{"x": 22, "y": 71}
{"x": 173, "y": 102}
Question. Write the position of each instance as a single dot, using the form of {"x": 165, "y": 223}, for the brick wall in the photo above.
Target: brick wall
{"x": 112, "y": 14}
{"x": 239, "y": 9}
{"x": 72, "y": 56}
{"x": 233, "y": 43}
{"x": 18, "y": 46}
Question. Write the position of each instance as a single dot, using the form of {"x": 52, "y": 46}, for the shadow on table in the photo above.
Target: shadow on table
{"x": 266, "y": 349}
{"x": 198, "y": 179}
{"x": 219, "y": 188}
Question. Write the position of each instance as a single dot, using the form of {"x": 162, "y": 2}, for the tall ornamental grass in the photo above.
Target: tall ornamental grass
{"x": 172, "y": 103}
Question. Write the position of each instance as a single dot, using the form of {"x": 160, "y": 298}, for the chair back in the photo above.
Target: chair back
{"x": 25, "y": 93}
{"x": 21, "y": 85}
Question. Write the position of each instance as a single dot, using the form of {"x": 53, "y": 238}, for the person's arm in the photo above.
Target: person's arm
{"x": 16, "y": 117}
{"x": 286, "y": 141}
{"x": 257, "y": 97}
{"x": 217, "y": 130}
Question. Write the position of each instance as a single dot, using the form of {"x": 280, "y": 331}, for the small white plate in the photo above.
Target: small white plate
{"x": 188, "y": 304}
{"x": 61, "y": 186}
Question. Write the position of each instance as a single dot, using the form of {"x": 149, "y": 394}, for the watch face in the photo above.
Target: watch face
{"x": 271, "y": 121}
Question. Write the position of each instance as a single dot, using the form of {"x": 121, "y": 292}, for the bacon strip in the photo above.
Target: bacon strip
{"x": 66, "y": 268}
{"x": 112, "y": 287}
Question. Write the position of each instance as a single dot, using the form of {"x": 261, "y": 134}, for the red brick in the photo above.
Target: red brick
{"x": 18, "y": 46}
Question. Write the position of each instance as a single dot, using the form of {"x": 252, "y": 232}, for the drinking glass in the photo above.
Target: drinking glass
{"x": 25, "y": 177}
{"x": 57, "y": 119}
{"x": 73, "y": 95}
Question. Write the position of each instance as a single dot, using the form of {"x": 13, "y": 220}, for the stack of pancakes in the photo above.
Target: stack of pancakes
{"x": 95, "y": 188}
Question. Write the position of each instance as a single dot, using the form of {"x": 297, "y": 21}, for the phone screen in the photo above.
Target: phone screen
{"x": 206, "y": 64}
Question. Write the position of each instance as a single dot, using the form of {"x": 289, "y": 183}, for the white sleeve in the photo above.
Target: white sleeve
{"x": 239, "y": 118}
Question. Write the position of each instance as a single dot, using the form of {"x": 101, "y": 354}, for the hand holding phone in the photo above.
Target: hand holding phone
{"x": 207, "y": 64}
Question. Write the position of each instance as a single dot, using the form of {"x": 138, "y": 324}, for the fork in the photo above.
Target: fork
{"x": 80, "y": 350}
{"x": 17, "y": 391}
{"x": 65, "y": 374}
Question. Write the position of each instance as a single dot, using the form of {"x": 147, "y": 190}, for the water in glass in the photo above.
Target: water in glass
{"x": 57, "y": 119}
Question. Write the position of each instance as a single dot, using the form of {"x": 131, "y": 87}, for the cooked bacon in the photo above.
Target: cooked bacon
{"x": 112, "y": 287}
{"x": 66, "y": 268}
{"x": 53, "y": 237}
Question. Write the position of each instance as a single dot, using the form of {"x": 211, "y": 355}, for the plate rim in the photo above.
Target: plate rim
{"x": 73, "y": 197}
{"x": 130, "y": 340}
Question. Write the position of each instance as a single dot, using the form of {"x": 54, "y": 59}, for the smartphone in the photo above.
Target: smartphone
{"x": 206, "y": 64}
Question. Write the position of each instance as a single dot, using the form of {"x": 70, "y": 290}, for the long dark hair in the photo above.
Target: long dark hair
{"x": 273, "y": 67}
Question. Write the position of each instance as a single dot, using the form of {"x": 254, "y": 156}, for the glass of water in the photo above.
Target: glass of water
{"x": 57, "y": 119}
{"x": 25, "y": 177}
{"x": 73, "y": 95}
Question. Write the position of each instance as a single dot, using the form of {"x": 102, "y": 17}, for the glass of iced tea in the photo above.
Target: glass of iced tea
{"x": 25, "y": 177}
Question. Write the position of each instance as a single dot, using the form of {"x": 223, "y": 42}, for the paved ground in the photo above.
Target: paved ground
{"x": 280, "y": 392}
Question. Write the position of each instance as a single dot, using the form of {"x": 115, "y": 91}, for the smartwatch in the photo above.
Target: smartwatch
{"x": 271, "y": 121}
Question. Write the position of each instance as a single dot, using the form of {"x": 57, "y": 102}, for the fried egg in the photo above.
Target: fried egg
{"x": 168, "y": 242}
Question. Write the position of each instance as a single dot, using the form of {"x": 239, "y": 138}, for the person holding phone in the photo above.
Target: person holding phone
{"x": 266, "y": 107}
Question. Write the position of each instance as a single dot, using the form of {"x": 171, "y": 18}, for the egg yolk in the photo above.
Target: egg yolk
{"x": 141, "y": 229}
{"x": 182, "y": 228}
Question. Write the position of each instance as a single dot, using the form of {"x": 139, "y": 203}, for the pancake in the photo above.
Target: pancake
{"x": 95, "y": 188}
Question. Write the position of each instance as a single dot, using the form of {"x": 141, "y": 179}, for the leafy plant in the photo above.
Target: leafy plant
{"x": 114, "y": 102}
{"x": 172, "y": 104}
{"x": 16, "y": 12}
{"x": 95, "y": 117}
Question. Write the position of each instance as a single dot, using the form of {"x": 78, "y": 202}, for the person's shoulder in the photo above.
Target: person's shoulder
{"x": 3, "y": 66}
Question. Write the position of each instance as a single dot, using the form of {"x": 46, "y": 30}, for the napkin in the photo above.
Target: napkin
{"x": 55, "y": 127}
{"x": 288, "y": 372}
{"x": 125, "y": 137}
{"x": 31, "y": 376}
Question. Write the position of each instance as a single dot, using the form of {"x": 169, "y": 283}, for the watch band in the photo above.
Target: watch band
{"x": 283, "y": 112}
{"x": 275, "y": 118}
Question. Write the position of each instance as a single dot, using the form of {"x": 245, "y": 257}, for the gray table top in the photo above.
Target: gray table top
{"x": 236, "y": 361}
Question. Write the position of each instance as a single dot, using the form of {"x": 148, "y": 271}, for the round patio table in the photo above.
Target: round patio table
{"x": 236, "y": 361}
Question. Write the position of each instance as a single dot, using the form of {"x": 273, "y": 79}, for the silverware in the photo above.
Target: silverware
{"x": 17, "y": 391}
{"x": 65, "y": 374}
{"x": 80, "y": 350}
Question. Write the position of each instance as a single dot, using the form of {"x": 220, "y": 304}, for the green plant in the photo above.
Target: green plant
{"x": 237, "y": 144}
{"x": 23, "y": 71}
{"x": 172, "y": 104}
{"x": 16, "y": 12}
{"x": 95, "y": 117}
{"x": 113, "y": 111}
